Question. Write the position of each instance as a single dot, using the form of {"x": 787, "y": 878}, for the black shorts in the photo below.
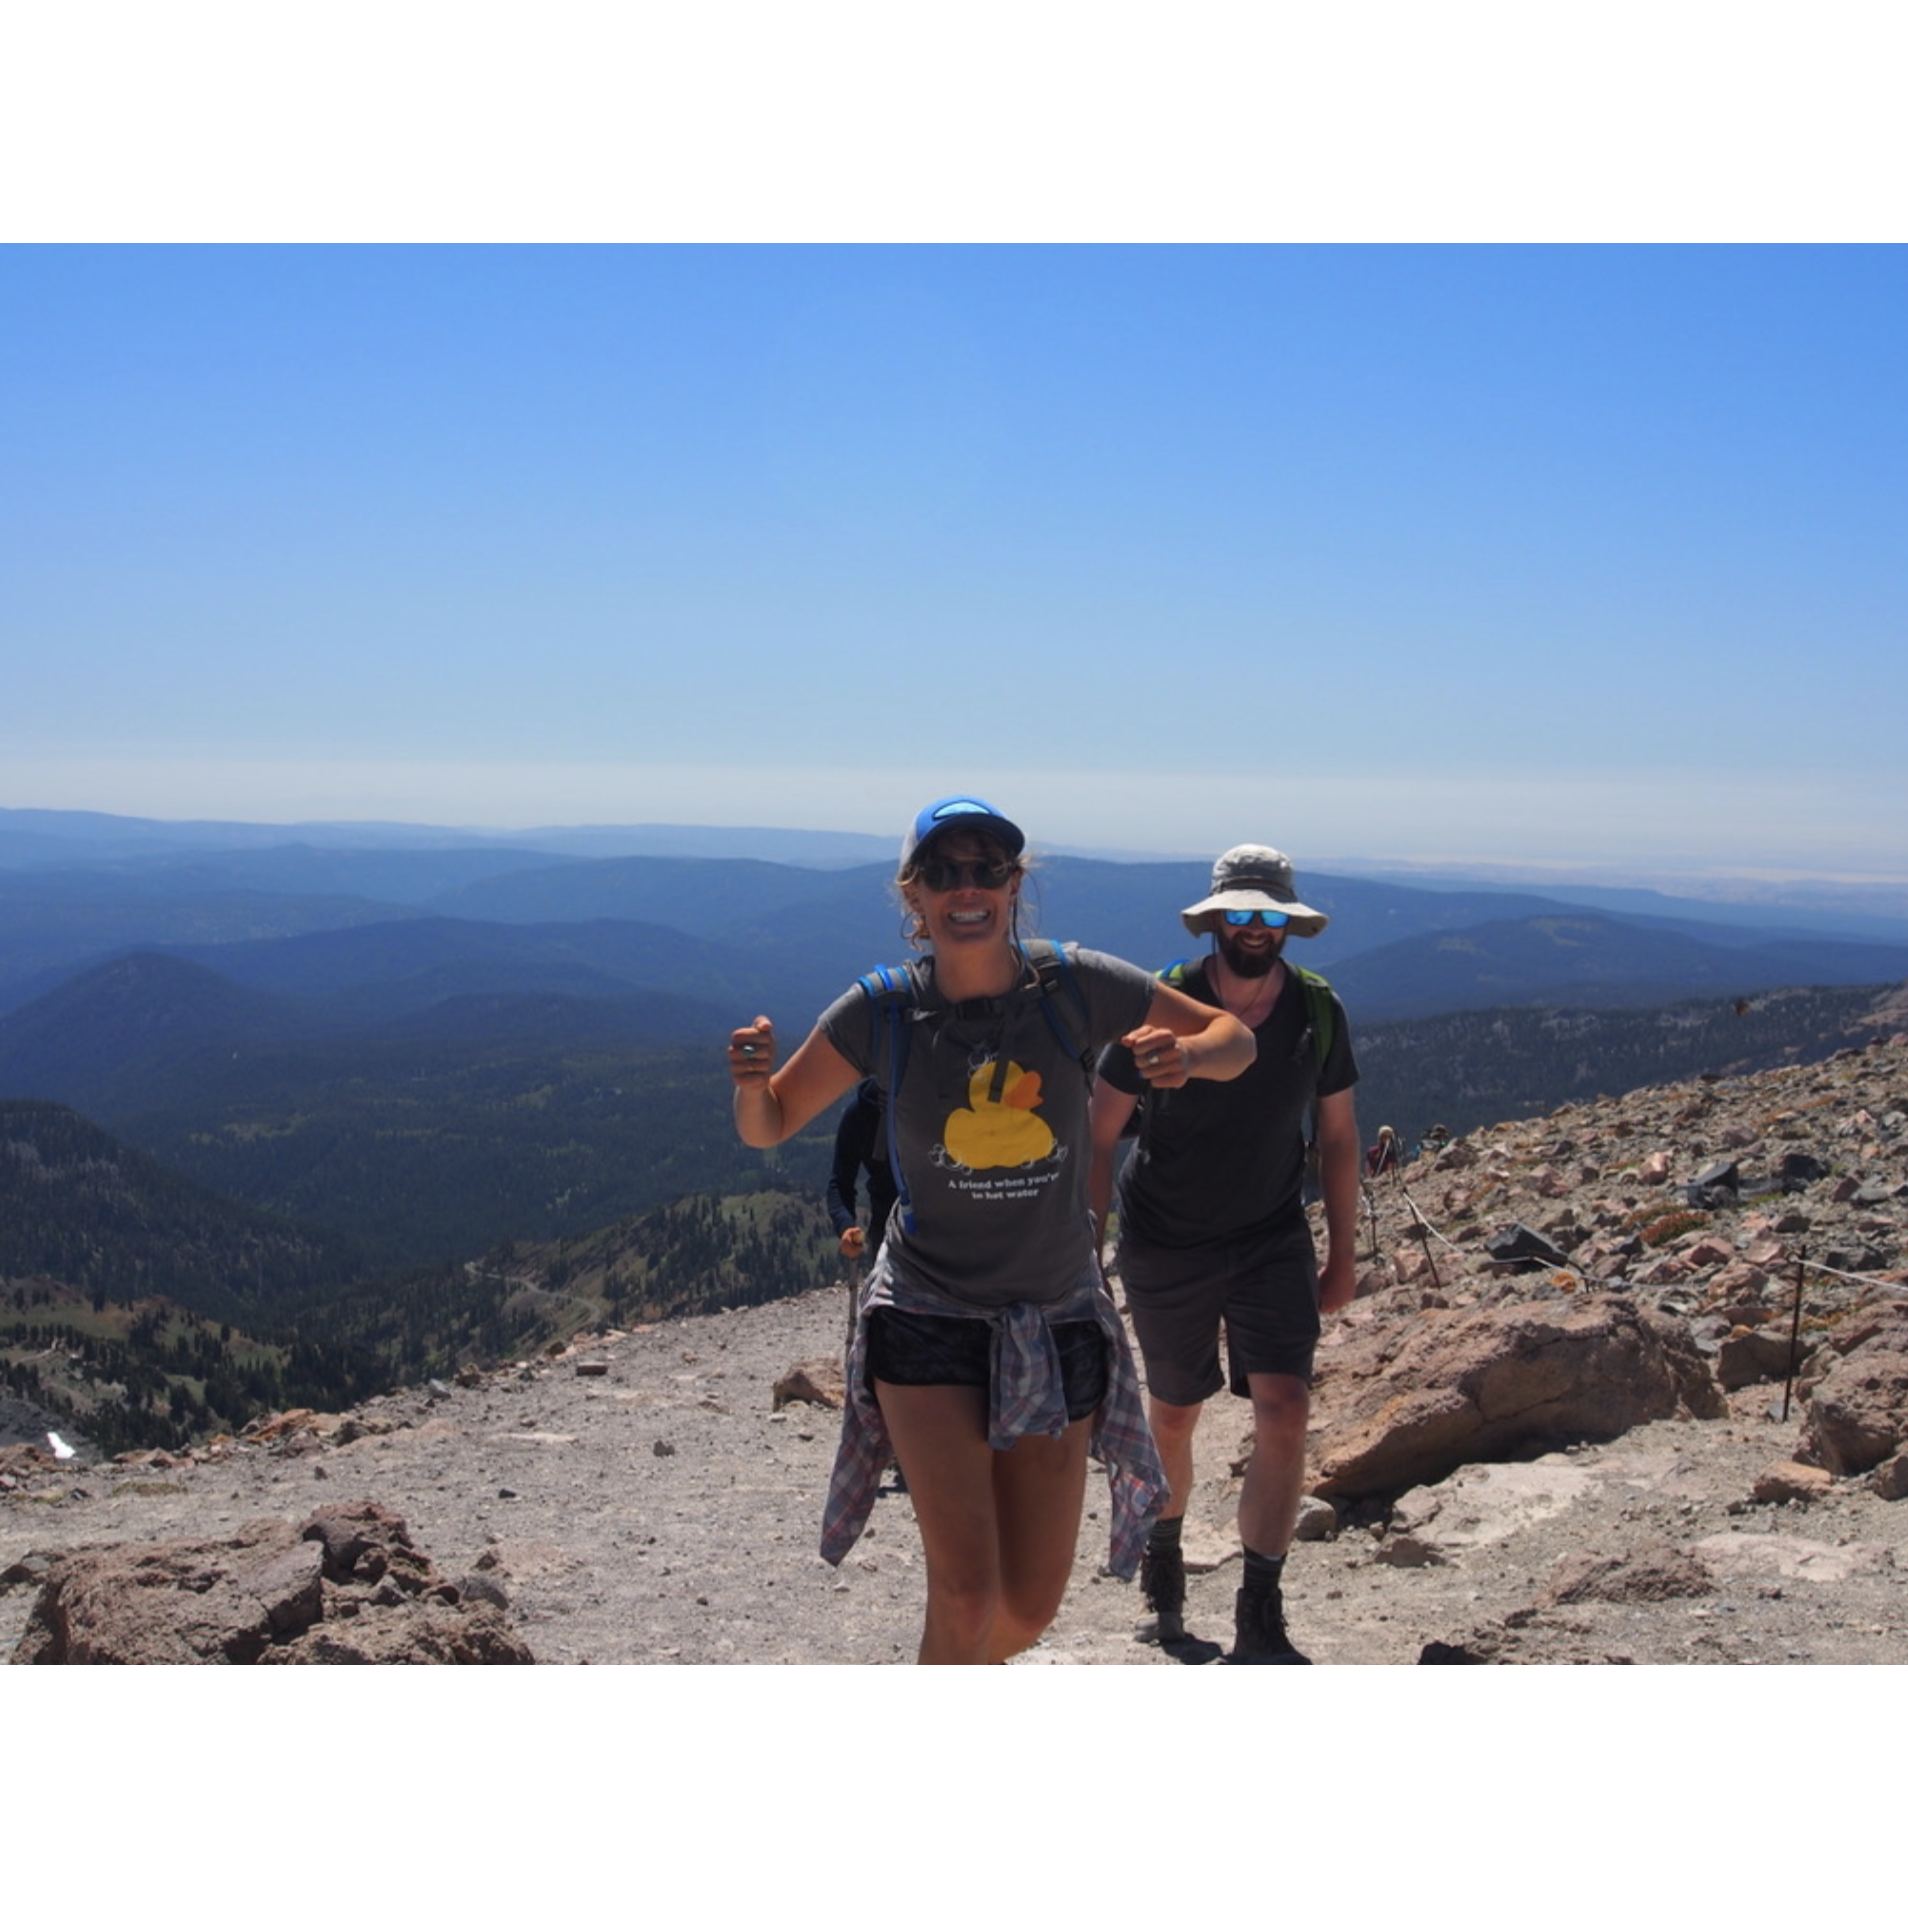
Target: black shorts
{"x": 914, "y": 1348}
{"x": 1264, "y": 1289}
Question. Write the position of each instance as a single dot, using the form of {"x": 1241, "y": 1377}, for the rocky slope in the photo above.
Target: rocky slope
{"x": 1551, "y": 1429}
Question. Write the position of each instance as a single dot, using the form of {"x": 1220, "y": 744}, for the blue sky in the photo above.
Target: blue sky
{"x": 1574, "y": 555}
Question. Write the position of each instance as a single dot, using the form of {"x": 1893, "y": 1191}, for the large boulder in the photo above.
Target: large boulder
{"x": 347, "y": 1587}
{"x": 1409, "y": 1402}
{"x": 177, "y": 1603}
{"x": 1856, "y": 1396}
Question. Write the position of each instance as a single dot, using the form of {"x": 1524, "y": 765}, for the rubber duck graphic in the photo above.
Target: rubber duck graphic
{"x": 998, "y": 1132}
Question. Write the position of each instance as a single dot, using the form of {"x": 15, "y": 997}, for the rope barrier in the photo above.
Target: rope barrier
{"x": 1857, "y": 1278}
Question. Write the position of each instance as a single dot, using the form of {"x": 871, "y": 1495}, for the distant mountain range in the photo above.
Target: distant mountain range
{"x": 432, "y": 1039}
{"x": 45, "y": 837}
{"x": 790, "y": 935}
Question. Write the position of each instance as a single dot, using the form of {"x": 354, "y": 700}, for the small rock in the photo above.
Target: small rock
{"x": 1752, "y": 1357}
{"x": 816, "y": 1381}
{"x": 1651, "y": 1576}
{"x": 1889, "y": 1479}
{"x": 1520, "y": 1244}
{"x": 1450, "y": 1653}
{"x": 479, "y": 1586}
{"x": 1790, "y": 1483}
{"x": 1317, "y": 1521}
{"x": 1406, "y": 1552}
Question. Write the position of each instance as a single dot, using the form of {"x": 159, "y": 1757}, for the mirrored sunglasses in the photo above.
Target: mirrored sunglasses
{"x": 1244, "y": 917}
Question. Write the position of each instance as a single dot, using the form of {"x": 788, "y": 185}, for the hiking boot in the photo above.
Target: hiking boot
{"x": 1259, "y": 1620}
{"x": 1163, "y": 1585}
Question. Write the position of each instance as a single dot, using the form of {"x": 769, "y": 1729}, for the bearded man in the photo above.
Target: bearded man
{"x": 1213, "y": 1228}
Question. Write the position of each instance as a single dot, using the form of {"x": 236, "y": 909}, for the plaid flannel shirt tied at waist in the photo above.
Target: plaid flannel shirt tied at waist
{"x": 1026, "y": 1399}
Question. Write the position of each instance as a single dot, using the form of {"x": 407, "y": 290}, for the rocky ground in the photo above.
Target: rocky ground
{"x": 643, "y": 1497}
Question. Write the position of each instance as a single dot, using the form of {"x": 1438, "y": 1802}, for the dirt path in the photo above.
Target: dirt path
{"x": 665, "y": 1513}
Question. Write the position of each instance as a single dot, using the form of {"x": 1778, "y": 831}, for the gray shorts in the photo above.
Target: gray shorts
{"x": 1264, "y": 1289}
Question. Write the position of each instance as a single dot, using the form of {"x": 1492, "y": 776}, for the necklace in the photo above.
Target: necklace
{"x": 1258, "y": 1000}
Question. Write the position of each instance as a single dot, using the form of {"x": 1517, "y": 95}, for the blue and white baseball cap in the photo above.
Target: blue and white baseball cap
{"x": 959, "y": 812}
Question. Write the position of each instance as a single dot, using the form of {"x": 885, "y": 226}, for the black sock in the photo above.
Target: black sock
{"x": 1163, "y": 1541}
{"x": 1262, "y": 1573}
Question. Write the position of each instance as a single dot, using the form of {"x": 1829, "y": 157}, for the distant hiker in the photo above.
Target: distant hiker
{"x": 988, "y": 1352}
{"x": 860, "y": 1148}
{"x": 1213, "y": 1228}
{"x": 1382, "y": 1157}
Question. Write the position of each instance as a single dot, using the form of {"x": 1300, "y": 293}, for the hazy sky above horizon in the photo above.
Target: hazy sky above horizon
{"x": 1576, "y": 555}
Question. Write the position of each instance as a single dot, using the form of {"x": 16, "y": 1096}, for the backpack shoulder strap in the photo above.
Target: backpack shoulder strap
{"x": 1318, "y": 1003}
{"x": 1056, "y": 975}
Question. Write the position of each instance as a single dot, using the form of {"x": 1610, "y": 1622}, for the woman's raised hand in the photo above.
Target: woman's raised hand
{"x": 1161, "y": 1056}
{"x": 752, "y": 1053}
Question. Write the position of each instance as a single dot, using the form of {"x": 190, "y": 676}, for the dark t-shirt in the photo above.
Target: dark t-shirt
{"x": 861, "y": 1146}
{"x": 997, "y": 1176}
{"x": 1218, "y": 1160}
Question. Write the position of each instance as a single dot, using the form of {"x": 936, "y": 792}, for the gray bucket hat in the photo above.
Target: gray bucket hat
{"x": 1251, "y": 876}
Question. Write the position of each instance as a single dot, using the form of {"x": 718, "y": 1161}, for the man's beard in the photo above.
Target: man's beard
{"x": 1248, "y": 966}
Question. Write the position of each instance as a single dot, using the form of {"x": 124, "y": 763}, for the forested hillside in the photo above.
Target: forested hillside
{"x": 139, "y": 1309}
{"x": 143, "y": 1309}
{"x": 86, "y": 1211}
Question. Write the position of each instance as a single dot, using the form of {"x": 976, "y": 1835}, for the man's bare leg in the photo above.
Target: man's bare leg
{"x": 1275, "y": 1477}
{"x": 1268, "y": 1515}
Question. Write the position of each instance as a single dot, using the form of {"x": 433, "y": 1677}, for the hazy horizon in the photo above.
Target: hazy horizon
{"x": 1689, "y": 879}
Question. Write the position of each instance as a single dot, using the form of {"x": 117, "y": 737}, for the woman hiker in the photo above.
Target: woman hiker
{"x": 988, "y": 1352}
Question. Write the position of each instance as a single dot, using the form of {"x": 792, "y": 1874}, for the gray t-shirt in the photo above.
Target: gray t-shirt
{"x": 992, "y": 1125}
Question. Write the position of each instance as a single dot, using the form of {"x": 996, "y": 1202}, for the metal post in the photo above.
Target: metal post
{"x": 1795, "y": 1339}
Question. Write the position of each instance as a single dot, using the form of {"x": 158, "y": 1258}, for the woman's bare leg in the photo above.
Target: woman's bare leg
{"x": 998, "y": 1528}
{"x": 939, "y": 1433}
{"x": 1039, "y": 1488}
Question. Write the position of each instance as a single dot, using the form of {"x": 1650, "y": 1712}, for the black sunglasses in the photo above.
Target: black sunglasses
{"x": 942, "y": 877}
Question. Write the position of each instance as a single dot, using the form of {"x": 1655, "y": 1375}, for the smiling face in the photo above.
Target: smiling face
{"x": 967, "y": 912}
{"x": 1250, "y": 951}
